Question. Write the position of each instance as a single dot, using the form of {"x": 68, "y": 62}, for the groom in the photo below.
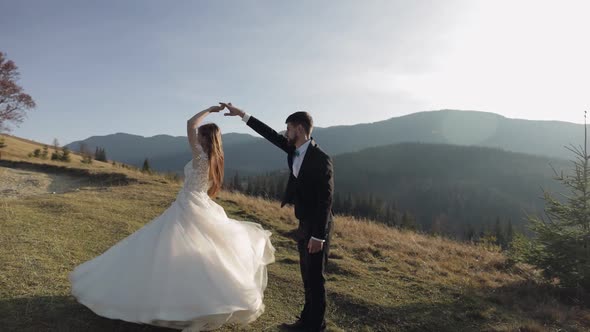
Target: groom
{"x": 310, "y": 189}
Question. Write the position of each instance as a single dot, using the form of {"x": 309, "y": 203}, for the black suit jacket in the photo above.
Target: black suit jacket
{"x": 312, "y": 191}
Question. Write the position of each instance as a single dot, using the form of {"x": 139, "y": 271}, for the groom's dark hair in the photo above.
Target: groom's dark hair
{"x": 301, "y": 118}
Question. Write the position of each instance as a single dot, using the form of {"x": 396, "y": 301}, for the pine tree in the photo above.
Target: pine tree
{"x": 499, "y": 234}
{"x": 146, "y": 166}
{"x": 249, "y": 186}
{"x": 236, "y": 182}
{"x": 347, "y": 205}
{"x": 562, "y": 242}
{"x": 380, "y": 211}
{"x": 278, "y": 189}
{"x": 337, "y": 206}
{"x": 470, "y": 233}
{"x": 509, "y": 232}
{"x": 45, "y": 152}
{"x": 100, "y": 154}
{"x": 391, "y": 216}
{"x": 65, "y": 154}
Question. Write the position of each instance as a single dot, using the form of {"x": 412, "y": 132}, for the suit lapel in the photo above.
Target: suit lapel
{"x": 308, "y": 156}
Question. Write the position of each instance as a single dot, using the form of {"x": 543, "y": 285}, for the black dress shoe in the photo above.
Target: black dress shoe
{"x": 298, "y": 325}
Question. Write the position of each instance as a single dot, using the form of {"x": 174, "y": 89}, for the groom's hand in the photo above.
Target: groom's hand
{"x": 215, "y": 109}
{"x": 232, "y": 110}
{"x": 314, "y": 246}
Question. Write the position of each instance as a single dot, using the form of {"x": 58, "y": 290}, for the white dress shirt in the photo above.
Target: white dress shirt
{"x": 297, "y": 160}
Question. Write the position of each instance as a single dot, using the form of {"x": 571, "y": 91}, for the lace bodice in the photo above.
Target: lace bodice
{"x": 196, "y": 172}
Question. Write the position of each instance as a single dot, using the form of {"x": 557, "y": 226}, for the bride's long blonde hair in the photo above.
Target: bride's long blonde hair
{"x": 210, "y": 138}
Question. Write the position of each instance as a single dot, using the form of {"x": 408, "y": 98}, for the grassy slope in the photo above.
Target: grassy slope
{"x": 18, "y": 149}
{"x": 380, "y": 279}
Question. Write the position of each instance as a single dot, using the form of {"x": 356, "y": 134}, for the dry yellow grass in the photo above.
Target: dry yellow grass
{"x": 18, "y": 149}
{"x": 425, "y": 256}
{"x": 17, "y": 152}
{"x": 379, "y": 278}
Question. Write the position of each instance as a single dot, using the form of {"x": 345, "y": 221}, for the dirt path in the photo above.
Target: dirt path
{"x": 16, "y": 183}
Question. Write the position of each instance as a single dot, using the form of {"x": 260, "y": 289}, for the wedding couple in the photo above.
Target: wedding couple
{"x": 195, "y": 269}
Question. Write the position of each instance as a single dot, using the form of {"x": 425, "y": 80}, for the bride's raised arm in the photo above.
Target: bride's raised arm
{"x": 193, "y": 123}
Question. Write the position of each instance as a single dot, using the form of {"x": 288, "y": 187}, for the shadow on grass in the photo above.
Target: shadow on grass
{"x": 353, "y": 313}
{"x": 529, "y": 292}
{"x": 60, "y": 313}
{"x": 517, "y": 307}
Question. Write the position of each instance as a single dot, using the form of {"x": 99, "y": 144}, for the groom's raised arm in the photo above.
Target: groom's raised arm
{"x": 265, "y": 131}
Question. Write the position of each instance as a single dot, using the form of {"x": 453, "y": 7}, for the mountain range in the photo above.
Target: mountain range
{"x": 251, "y": 154}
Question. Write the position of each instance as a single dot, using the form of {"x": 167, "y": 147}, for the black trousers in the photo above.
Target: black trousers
{"x": 313, "y": 275}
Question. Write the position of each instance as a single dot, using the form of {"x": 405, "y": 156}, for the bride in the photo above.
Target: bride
{"x": 190, "y": 268}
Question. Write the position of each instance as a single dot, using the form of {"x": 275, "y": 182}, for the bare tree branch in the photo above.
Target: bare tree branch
{"x": 13, "y": 101}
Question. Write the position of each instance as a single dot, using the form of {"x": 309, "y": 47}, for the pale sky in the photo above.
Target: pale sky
{"x": 145, "y": 67}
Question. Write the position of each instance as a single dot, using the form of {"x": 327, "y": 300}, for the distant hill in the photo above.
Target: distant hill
{"x": 250, "y": 154}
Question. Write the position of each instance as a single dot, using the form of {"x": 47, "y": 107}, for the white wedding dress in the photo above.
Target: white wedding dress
{"x": 190, "y": 268}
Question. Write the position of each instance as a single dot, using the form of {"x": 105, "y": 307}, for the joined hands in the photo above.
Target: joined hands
{"x": 231, "y": 110}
